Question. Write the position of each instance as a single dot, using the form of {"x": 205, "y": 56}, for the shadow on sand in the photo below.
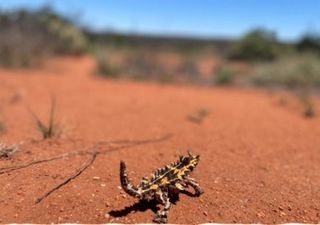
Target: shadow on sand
{"x": 144, "y": 205}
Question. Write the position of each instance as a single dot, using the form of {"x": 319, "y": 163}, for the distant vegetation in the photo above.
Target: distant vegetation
{"x": 27, "y": 36}
{"x": 291, "y": 72}
{"x": 224, "y": 76}
{"x": 272, "y": 62}
{"x": 309, "y": 43}
{"x": 257, "y": 45}
{"x": 257, "y": 58}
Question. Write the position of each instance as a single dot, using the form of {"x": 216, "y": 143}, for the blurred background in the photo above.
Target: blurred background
{"x": 236, "y": 81}
{"x": 273, "y": 44}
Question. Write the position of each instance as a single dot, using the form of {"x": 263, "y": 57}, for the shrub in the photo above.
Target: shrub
{"x": 104, "y": 69}
{"x": 106, "y": 65}
{"x": 257, "y": 45}
{"x": 304, "y": 96}
{"x": 224, "y": 76}
{"x": 309, "y": 43}
{"x": 295, "y": 71}
{"x": 70, "y": 39}
{"x": 52, "y": 129}
{"x": 27, "y": 36}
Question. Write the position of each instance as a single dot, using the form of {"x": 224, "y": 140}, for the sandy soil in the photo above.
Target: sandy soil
{"x": 259, "y": 161}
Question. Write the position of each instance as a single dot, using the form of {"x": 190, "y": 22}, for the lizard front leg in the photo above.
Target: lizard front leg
{"x": 198, "y": 190}
{"x": 162, "y": 215}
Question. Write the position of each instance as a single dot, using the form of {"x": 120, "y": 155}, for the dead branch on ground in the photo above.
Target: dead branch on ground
{"x": 66, "y": 181}
{"x": 87, "y": 151}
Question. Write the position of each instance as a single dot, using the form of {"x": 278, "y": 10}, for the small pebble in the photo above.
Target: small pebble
{"x": 124, "y": 196}
{"x": 261, "y": 214}
{"x": 102, "y": 185}
{"x": 205, "y": 213}
{"x": 96, "y": 178}
{"x": 282, "y": 214}
{"x": 107, "y": 216}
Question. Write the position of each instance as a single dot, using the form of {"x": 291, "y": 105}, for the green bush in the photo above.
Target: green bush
{"x": 309, "y": 43}
{"x": 71, "y": 39}
{"x": 224, "y": 76}
{"x": 257, "y": 45}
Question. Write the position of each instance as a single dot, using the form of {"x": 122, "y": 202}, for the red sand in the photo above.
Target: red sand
{"x": 260, "y": 162}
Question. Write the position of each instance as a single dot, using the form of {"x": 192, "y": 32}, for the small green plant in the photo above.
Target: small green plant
{"x": 50, "y": 130}
{"x": 304, "y": 96}
{"x": 309, "y": 110}
{"x": 224, "y": 76}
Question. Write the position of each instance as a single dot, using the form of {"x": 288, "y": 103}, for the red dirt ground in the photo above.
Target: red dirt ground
{"x": 260, "y": 162}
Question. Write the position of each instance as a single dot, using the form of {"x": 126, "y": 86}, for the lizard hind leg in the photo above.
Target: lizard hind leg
{"x": 162, "y": 215}
{"x": 198, "y": 190}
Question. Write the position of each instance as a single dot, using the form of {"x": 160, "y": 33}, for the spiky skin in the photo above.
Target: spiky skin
{"x": 163, "y": 183}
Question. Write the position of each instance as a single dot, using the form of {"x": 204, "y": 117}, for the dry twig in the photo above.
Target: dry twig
{"x": 86, "y": 151}
{"x": 74, "y": 176}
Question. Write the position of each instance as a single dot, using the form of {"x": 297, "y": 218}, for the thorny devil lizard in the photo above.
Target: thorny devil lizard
{"x": 164, "y": 182}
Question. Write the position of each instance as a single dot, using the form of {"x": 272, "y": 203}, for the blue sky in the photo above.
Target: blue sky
{"x": 203, "y": 18}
